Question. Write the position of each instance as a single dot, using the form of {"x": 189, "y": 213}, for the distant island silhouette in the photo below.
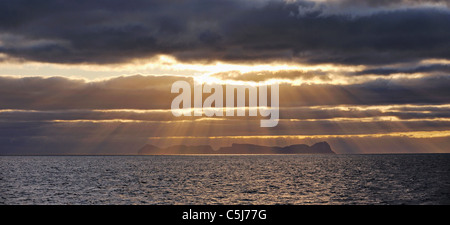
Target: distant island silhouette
{"x": 318, "y": 148}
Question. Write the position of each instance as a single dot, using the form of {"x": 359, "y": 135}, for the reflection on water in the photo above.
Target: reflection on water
{"x": 225, "y": 179}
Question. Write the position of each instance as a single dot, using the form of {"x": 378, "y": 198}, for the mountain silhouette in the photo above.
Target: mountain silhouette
{"x": 318, "y": 148}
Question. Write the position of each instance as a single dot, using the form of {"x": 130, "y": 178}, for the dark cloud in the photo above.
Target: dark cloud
{"x": 153, "y": 92}
{"x": 235, "y": 30}
{"x": 300, "y": 113}
{"x": 378, "y": 3}
{"x": 133, "y": 92}
{"x": 434, "y": 68}
{"x": 426, "y": 90}
{"x": 318, "y": 113}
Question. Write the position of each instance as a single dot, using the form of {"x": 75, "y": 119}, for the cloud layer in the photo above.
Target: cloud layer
{"x": 153, "y": 92}
{"x": 349, "y": 32}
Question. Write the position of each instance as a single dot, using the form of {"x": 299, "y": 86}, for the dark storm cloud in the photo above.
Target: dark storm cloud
{"x": 235, "y": 30}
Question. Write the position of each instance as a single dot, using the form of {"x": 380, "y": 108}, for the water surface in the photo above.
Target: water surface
{"x": 226, "y": 179}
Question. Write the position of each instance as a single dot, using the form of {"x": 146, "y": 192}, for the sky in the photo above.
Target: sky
{"x": 95, "y": 76}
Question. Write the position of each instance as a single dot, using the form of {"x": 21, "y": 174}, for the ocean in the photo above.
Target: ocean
{"x": 226, "y": 179}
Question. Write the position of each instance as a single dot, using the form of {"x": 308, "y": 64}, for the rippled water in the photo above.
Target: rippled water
{"x": 238, "y": 179}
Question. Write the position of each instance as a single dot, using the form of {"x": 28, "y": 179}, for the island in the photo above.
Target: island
{"x": 318, "y": 148}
